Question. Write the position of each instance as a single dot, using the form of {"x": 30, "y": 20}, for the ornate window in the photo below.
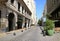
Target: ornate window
{"x": 22, "y": 9}
{"x": 18, "y": 6}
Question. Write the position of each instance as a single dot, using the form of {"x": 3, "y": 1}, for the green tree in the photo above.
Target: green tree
{"x": 48, "y": 16}
{"x": 39, "y": 22}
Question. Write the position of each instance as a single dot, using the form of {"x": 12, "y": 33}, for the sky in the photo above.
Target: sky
{"x": 39, "y": 7}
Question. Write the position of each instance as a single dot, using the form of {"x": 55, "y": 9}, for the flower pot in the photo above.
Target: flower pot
{"x": 50, "y": 32}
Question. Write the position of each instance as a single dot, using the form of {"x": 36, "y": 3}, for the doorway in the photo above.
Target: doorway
{"x": 11, "y": 21}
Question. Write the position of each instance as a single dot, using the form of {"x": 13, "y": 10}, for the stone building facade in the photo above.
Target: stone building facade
{"x": 14, "y": 14}
{"x": 53, "y": 8}
{"x": 31, "y": 5}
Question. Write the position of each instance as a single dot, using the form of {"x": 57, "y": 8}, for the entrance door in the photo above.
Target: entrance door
{"x": 11, "y": 21}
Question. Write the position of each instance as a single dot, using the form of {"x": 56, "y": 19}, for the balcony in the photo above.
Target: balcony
{"x": 19, "y": 13}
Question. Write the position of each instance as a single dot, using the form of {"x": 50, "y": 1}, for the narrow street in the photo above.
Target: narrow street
{"x": 32, "y": 34}
{"x": 29, "y": 20}
{"x": 35, "y": 35}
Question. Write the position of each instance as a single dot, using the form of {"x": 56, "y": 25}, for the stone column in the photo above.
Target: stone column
{"x": 15, "y": 21}
{"x": 23, "y": 23}
{"x": 27, "y": 24}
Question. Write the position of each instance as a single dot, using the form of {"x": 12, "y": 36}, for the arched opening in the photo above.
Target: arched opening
{"x": 11, "y": 21}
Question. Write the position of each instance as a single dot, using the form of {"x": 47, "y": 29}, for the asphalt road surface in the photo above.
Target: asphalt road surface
{"x": 33, "y": 34}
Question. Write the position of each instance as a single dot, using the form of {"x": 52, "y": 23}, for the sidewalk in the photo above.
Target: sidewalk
{"x": 55, "y": 37}
{"x": 4, "y": 34}
{"x": 10, "y": 35}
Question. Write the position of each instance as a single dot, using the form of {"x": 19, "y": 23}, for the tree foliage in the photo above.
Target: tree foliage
{"x": 39, "y": 22}
{"x": 49, "y": 24}
{"x": 48, "y": 16}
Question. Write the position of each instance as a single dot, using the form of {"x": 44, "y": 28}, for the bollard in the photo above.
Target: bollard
{"x": 14, "y": 33}
{"x": 44, "y": 33}
{"x": 21, "y": 30}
